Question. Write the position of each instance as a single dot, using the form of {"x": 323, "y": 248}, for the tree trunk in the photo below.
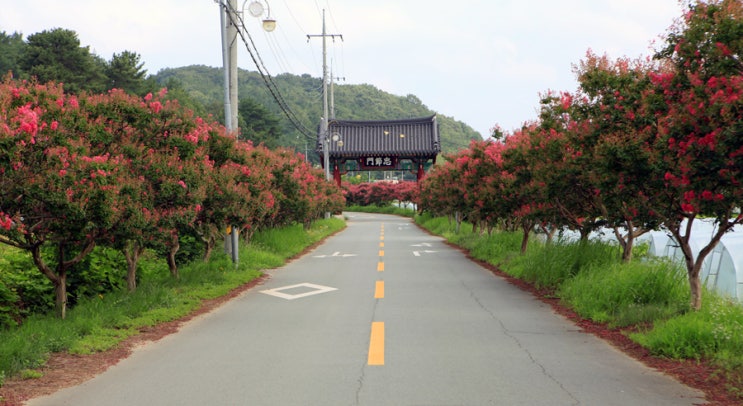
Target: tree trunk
{"x": 458, "y": 218}
{"x": 626, "y": 242}
{"x": 208, "y": 248}
{"x": 58, "y": 276}
{"x": 172, "y": 250}
{"x": 526, "y": 228}
{"x": 132, "y": 252}
{"x": 60, "y": 292}
{"x": 695, "y": 284}
{"x": 551, "y": 234}
{"x": 694, "y": 265}
{"x": 627, "y": 247}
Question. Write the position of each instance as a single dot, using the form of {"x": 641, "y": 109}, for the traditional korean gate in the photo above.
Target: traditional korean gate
{"x": 386, "y": 145}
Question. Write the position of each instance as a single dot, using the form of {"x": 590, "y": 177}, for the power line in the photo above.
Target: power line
{"x": 267, "y": 79}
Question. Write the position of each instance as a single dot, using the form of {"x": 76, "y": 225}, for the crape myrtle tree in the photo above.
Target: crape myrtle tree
{"x": 480, "y": 168}
{"x": 406, "y": 192}
{"x": 524, "y": 195}
{"x": 442, "y": 192}
{"x": 167, "y": 149}
{"x": 621, "y": 148}
{"x": 699, "y": 111}
{"x": 237, "y": 176}
{"x": 301, "y": 191}
{"x": 562, "y": 161}
{"x": 56, "y": 190}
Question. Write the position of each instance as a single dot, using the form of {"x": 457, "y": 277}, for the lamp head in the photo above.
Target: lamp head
{"x": 269, "y": 24}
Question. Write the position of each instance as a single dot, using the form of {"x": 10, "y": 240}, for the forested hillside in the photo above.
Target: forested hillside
{"x": 303, "y": 94}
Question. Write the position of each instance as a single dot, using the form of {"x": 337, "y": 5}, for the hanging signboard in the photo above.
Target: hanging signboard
{"x": 378, "y": 162}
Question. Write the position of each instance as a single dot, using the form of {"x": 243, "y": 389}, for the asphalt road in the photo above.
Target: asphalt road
{"x": 380, "y": 314}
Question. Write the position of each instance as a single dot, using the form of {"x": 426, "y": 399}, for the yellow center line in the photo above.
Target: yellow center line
{"x": 381, "y": 245}
{"x": 381, "y": 253}
{"x": 381, "y": 238}
{"x": 380, "y": 266}
{"x": 376, "y": 344}
{"x": 379, "y": 290}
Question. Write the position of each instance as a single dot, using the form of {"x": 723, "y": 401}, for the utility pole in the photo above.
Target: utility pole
{"x": 324, "y": 123}
{"x": 229, "y": 59}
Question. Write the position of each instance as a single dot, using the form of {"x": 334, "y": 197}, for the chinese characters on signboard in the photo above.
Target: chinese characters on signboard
{"x": 382, "y": 162}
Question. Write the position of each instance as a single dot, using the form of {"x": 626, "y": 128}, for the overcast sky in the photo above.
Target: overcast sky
{"x": 483, "y": 62}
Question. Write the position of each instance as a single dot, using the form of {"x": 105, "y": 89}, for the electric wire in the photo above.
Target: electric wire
{"x": 267, "y": 79}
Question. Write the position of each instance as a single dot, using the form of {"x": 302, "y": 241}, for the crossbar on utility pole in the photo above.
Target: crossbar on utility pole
{"x": 324, "y": 123}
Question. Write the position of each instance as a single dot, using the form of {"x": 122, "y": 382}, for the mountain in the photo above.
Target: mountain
{"x": 303, "y": 95}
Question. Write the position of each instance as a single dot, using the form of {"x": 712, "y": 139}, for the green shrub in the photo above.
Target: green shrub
{"x": 100, "y": 272}
{"x": 23, "y": 289}
{"x": 625, "y": 294}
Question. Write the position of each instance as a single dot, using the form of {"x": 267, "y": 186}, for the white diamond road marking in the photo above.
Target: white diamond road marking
{"x": 317, "y": 290}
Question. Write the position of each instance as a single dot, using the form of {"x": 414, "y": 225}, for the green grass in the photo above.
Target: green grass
{"x": 101, "y": 322}
{"x": 550, "y": 265}
{"x": 715, "y": 332}
{"x": 628, "y": 294}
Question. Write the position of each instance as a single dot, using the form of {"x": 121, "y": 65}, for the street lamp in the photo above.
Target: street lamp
{"x": 255, "y": 8}
{"x": 229, "y": 26}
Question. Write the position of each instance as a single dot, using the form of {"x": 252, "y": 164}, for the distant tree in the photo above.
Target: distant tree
{"x": 125, "y": 71}
{"x": 57, "y": 56}
{"x": 257, "y": 124}
{"x": 11, "y": 48}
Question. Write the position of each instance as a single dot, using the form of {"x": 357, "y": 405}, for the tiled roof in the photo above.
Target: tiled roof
{"x": 415, "y": 137}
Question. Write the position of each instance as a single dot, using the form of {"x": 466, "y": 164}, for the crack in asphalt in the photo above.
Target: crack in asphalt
{"x": 518, "y": 343}
{"x": 362, "y": 374}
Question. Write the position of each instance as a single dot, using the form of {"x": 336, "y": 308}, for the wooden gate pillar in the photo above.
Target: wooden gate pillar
{"x": 421, "y": 172}
{"x": 337, "y": 175}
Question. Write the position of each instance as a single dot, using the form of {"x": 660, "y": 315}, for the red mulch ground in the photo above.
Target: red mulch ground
{"x": 64, "y": 370}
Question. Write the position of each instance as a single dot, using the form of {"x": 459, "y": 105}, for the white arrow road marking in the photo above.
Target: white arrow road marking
{"x": 423, "y": 244}
{"x": 316, "y": 290}
{"x": 418, "y": 253}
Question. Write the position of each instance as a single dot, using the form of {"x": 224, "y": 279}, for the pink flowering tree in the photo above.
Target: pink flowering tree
{"x": 563, "y": 163}
{"x": 165, "y": 147}
{"x": 698, "y": 108}
{"x": 523, "y": 193}
{"x": 481, "y": 178}
{"x": 442, "y": 192}
{"x": 620, "y": 143}
{"x": 56, "y": 190}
